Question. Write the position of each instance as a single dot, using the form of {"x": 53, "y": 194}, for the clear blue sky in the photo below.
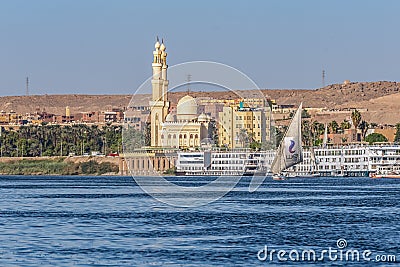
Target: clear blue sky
{"x": 102, "y": 46}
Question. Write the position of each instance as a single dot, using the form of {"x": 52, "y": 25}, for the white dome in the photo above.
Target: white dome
{"x": 162, "y": 47}
{"x": 187, "y": 108}
{"x": 157, "y": 45}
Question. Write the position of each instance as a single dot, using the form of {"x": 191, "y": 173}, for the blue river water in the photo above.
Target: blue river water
{"x": 110, "y": 221}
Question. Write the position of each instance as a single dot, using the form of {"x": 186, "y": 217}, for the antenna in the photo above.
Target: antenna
{"x": 27, "y": 86}
{"x": 323, "y": 78}
{"x": 188, "y": 79}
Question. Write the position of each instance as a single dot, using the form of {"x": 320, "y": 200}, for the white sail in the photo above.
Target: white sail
{"x": 325, "y": 140}
{"x": 289, "y": 152}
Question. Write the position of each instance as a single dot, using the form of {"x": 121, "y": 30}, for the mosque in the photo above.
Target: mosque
{"x": 183, "y": 129}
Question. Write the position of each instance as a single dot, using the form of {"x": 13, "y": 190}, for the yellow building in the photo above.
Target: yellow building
{"x": 238, "y": 126}
{"x": 10, "y": 117}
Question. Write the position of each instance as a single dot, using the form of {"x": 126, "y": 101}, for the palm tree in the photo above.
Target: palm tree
{"x": 397, "y": 136}
{"x": 356, "y": 118}
{"x": 333, "y": 125}
{"x": 306, "y": 133}
{"x": 345, "y": 124}
{"x": 243, "y": 137}
{"x": 364, "y": 126}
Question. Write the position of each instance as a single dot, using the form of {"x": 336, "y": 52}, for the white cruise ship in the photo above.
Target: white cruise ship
{"x": 332, "y": 160}
{"x": 229, "y": 163}
{"x": 356, "y": 159}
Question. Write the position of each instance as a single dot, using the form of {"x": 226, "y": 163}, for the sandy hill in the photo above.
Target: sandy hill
{"x": 382, "y": 99}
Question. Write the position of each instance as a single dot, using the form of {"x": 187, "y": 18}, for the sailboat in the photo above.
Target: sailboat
{"x": 325, "y": 140}
{"x": 290, "y": 150}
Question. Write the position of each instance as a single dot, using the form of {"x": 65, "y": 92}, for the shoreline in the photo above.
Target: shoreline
{"x": 58, "y": 166}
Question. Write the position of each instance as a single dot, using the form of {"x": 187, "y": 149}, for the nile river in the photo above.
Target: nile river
{"x": 110, "y": 221}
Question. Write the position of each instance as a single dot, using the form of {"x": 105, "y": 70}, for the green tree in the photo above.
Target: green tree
{"x": 305, "y": 114}
{"x": 243, "y": 137}
{"x": 55, "y": 140}
{"x": 345, "y": 124}
{"x": 133, "y": 139}
{"x": 317, "y": 129}
{"x": 364, "y": 126}
{"x": 278, "y": 134}
{"x": 333, "y": 126}
{"x": 307, "y": 135}
{"x": 255, "y": 145}
{"x": 356, "y": 118}
{"x": 147, "y": 134}
{"x": 375, "y": 137}
{"x": 397, "y": 136}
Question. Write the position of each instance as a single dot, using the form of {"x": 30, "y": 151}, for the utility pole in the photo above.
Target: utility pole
{"x": 27, "y": 86}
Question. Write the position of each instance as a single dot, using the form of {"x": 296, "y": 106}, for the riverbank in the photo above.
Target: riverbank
{"x": 59, "y": 166}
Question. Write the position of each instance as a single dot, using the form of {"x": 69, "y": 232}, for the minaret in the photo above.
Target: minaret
{"x": 159, "y": 104}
